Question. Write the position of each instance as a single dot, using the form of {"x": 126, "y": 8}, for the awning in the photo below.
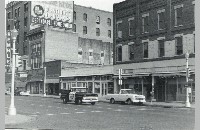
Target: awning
{"x": 52, "y": 80}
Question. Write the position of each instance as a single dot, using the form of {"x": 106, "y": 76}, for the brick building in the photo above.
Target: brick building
{"x": 52, "y": 48}
{"x": 150, "y": 42}
{"x": 92, "y": 28}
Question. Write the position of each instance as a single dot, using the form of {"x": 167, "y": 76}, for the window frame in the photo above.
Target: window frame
{"x": 131, "y": 44}
{"x": 84, "y": 30}
{"x": 119, "y": 57}
{"x": 98, "y": 32}
{"x": 176, "y": 24}
{"x": 109, "y": 33}
{"x": 117, "y": 29}
{"x": 178, "y": 46}
{"x": 109, "y": 21}
{"x": 85, "y": 17}
{"x": 145, "y": 51}
{"x": 129, "y": 24}
{"x": 159, "y": 47}
{"x": 158, "y": 14}
{"x": 145, "y": 27}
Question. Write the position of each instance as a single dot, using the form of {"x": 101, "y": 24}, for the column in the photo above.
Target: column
{"x": 115, "y": 85}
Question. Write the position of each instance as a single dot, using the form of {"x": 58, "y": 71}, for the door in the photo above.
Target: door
{"x": 104, "y": 88}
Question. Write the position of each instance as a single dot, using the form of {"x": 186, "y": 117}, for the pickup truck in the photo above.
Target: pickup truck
{"x": 78, "y": 97}
{"x": 126, "y": 96}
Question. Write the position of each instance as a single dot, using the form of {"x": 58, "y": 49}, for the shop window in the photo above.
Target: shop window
{"x": 64, "y": 85}
{"x": 161, "y": 50}
{"x": 178, "y": 15}
{"x": 145, "y": 49}
{"x": 179, "y": 45}
{"x": 97, "y": 87}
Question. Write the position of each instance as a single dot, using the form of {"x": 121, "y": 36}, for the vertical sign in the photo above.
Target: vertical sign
{"x": 120, "y": 76}
{"x": 52, "y": 13}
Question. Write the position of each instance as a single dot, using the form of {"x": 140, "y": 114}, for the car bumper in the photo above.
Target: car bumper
{"x": 90, "y": 100}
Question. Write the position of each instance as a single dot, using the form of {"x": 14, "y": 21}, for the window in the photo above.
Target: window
{"x": 25, "y": 21}
{"x": 74, "y": 28}
{"x": 18, "y": 10}
{"x": 119, "y": 29}
{"x": 161, "y": 19}
{"x": 131, "y": 26}
{"x": 131, "y": 52}
{"x": 74, "y": 15}
{"x": 119, "y": 53}
{"x": 145, "y": 22}
{"x": 109, "y": 33}
{"x": 102, "y": 53}
{"x": 179, "y": 45}
{"x": 98, "y": 19}
{"x": 109, "y": 22}
{"x": 64, "y": 85}
{"x": 24, "y": 64}
{"x": 145, "y": 45}
{"x": 97, "y": 32}
{"x": 178, "y": 15}
{"x": 90, "y": 53}
{"x": 194, "y": 42}
{"x": 8, "y": 27}
{"x": 26, "y": 7}
{"x": 17, "y": 25}
{"x": 25, "y": 37}
{"x": 80, "y": 51}
{"x": 9, "y": 15}
{"x": 161, "y": 50}
{"x": 84, "y": 29}
{"x": 85, "y": 17}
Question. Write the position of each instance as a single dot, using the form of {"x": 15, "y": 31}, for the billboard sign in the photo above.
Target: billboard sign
{"x": 52, "y": 13}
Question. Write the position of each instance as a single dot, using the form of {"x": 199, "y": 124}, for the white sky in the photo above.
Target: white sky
{"x": 106, "y": 5}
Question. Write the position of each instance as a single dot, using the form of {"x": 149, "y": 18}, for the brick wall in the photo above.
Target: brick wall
{"x": 136, "y": 8}
{"x": 60, "y": 45}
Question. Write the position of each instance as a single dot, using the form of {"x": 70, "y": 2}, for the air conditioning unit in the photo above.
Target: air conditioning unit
{"x": 119, "y": 34}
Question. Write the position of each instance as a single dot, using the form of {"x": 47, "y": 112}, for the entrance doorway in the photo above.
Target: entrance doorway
{"x": 104, "y": 88}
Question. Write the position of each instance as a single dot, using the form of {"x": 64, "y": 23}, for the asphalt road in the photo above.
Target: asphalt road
{"x": 50, "y": 113}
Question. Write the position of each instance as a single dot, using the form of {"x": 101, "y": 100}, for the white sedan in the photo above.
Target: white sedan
{"x": 25, "y": 93}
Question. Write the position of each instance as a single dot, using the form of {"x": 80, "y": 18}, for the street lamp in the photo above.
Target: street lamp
{"x": 44, "y": 89}
{"x": 12, "y": 109}
{"x": 187, "y": 102}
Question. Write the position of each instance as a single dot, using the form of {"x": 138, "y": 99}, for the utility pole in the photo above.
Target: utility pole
{"x": 187, "y": 103}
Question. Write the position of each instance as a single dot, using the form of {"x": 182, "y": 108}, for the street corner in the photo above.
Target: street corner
{"x": 17, "y": 119}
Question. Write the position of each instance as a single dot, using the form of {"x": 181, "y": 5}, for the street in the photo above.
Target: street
{"x": 51, "y": 113}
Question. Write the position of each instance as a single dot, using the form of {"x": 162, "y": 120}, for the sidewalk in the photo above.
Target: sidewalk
{"x": 153, "y": 104}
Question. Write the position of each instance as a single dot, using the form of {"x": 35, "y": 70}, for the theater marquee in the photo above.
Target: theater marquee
{"x": 52, "y": 13}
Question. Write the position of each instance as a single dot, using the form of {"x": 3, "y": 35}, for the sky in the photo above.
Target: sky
{"x": 106, "y": 5}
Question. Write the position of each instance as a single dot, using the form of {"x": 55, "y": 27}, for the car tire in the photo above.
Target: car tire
{"x": 92, "y": 103}
{"x": 129, "y": 102}
{"x": 112, "y": 100}
{"x": 78, "y": 101}
{"x": 64, "y": 101}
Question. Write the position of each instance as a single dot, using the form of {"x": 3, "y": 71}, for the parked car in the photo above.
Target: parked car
{"x": 17, "y": 92}
{"x": 126, "y": 96}
{"x": 7, "y": 92}
{"x": 25, "y": 93}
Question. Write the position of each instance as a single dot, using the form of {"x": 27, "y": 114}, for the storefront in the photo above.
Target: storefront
{"x": 94, "y": 79}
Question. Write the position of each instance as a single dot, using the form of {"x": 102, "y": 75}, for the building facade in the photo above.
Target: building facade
{"x": 151, "y": 39}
